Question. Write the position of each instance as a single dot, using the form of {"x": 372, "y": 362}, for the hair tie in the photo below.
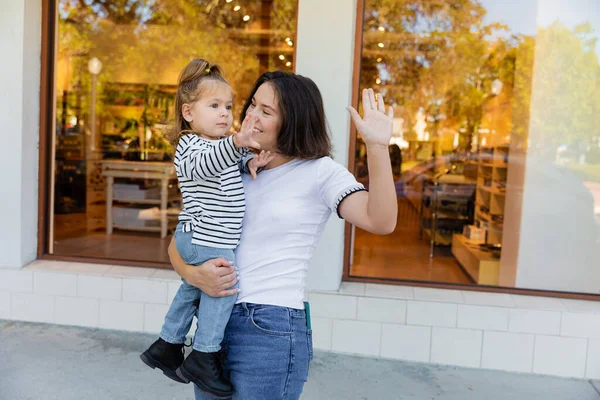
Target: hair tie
{"x": 207, "y": 70}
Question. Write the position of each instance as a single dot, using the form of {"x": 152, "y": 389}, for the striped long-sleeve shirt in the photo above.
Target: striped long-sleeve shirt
{"x": 209, "y": 173}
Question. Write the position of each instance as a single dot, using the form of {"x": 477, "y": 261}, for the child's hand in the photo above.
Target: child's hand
{"x": 259, "y": 161}
{"x": 244, "y": 138}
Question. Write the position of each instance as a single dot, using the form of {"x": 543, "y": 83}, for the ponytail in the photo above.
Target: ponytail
{"x": 189, "y": 90}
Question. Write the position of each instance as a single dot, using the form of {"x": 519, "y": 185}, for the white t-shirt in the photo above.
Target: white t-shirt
{"x": 287, "y": 208}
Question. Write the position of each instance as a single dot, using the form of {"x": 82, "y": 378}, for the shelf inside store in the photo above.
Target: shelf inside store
{"x": 480, "y": 265}
{"x": 492, "y": 190}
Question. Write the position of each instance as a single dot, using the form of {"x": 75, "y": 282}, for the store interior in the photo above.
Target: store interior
{"x": 115, "y": 193}
{"x": 471, "y": 141}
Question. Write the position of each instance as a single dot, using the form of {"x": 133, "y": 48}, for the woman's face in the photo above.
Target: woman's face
{"x": 265, "y": 106}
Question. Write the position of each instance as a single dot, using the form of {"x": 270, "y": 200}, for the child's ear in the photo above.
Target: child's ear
{"x": 186, "y": 111}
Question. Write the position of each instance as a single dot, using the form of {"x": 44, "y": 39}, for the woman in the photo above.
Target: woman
{"x": 267, "y": 343}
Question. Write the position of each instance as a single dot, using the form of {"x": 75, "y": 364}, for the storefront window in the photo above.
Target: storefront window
{"x": 496, "y": 146}
{"x": 114, "y": 193}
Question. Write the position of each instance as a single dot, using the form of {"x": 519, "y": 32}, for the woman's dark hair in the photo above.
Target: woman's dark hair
{"x": 303, "y": 131}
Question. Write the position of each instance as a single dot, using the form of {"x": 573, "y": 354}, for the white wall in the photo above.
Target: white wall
{"x": 20, "y": 46}
{"x": 325, "y": 54}
{"x": 479, "y": 330}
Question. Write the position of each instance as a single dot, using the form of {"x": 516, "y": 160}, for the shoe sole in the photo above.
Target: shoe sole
{"x": 152, "y": 363}
{"x": 184, "y": 375}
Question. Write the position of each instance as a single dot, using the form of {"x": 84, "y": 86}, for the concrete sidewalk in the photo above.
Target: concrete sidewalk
{"x": 50, "y": 362}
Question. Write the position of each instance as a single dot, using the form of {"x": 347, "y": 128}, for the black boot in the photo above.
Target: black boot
{"x": 165, "y": 356}
{"x": 205, "y": 370}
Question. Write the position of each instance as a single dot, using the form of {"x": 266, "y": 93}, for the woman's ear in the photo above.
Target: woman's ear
{"x": 186, "y": 111}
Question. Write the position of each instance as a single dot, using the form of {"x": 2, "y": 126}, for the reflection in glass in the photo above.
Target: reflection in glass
{"x": 116, "y": 70}
{"x": 496, "y": 144}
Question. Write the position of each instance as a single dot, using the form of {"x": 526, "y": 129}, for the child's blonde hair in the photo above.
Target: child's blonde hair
{"x": 189, "y": 90}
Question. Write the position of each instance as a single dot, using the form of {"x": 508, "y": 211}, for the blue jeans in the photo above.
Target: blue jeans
{"x": 268, "y": 352}
{"x": 212, "y": 312}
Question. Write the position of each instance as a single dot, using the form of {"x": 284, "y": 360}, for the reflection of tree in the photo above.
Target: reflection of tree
{"x": 565, "y": 99}
{"x": 437, "y": 58}
{"x": 144, "y": 41}
{"x": 431, "y": 59}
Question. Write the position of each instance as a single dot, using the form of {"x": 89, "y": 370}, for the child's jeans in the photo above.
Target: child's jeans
{"x": 212, "y": 312}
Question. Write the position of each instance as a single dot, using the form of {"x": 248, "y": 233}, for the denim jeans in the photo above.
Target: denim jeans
{"x": 212, "y": 312}
{"x": 268, "y": 351}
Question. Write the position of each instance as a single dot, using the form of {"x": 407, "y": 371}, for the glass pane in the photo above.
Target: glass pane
{"x": 117, "y": 64}
{"x": 496, "y": 146}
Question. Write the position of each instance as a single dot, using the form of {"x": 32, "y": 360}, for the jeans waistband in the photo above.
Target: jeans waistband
{"x": 244, "y": 308}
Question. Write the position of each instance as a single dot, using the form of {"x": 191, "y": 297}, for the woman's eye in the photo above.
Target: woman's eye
{"x": 252, "y": 105}
{"x": 266, "y": 113}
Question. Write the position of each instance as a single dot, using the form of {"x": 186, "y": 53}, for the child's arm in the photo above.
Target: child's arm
{"x": 246, "y": 158}
{"x": 200, "y": 163}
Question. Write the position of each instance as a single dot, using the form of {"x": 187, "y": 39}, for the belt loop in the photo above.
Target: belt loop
{"x": 245, "y": 307}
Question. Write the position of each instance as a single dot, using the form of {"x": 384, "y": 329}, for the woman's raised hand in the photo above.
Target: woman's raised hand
{"x": 376, "y": 126}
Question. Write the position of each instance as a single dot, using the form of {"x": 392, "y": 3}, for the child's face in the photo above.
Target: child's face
{"x": 211, "y": 114}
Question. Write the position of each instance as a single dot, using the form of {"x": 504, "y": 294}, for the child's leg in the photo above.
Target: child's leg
{"x": 203, "y": 366}
{"x": 185, "y": 304}
{"x": 213, "y": 315}
{"x": 179, "y": 317}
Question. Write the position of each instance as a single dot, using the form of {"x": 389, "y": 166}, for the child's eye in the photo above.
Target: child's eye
{"x": 215, "y": 105}
{"x": 229, "y": 107}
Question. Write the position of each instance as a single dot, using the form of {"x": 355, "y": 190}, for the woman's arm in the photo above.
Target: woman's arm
{"x": 214, "y": 277}
{"x": 375, "y": 211}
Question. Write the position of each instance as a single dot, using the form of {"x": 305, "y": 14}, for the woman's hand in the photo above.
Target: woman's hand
{"x": 245, "y": 137}
{"x": 376, "y": 126}
{"x": 214, "y": 277}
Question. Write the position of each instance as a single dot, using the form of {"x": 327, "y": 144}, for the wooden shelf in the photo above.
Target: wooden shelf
{"x": 492, "y": 190}
{"x": 144, "y": 201}
{"x": 171, "y": 225}
{"x": 481, "y": 266}
{"x": 489, "y": 194}
{"x": 160, "y": 171}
